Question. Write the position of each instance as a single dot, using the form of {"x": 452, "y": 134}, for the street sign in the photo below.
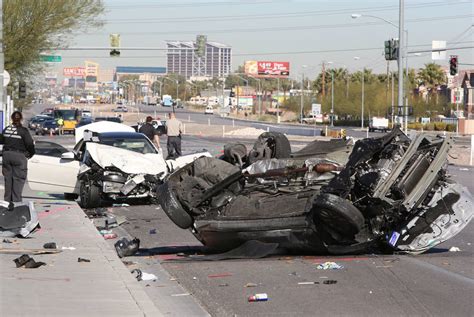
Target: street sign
{"x": 51, "y": 58}
{"x": 440, "y": 53}
{"x": 6, "y": 78}
{"x": 315, "y": 108}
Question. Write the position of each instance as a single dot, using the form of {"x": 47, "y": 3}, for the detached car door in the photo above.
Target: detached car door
{"x": 53, "y": 169}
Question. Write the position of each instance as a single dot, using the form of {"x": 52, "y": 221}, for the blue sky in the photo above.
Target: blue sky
{"x": 303, "y": 32}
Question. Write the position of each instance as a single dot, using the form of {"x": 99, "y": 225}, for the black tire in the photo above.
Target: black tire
{"x": 89, "y": 195}
{"x": 338, "y": 214}
{"x": 173, "y": 208}
{"x": 70, "y": 196}
{"x": 281, "y": 145}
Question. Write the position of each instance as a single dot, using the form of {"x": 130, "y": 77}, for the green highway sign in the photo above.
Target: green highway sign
{"x": 51, "y": 58}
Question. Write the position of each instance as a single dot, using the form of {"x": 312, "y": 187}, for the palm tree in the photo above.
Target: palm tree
{"x": 431, "y": 77}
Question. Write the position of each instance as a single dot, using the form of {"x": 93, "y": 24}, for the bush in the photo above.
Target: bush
{"x": 415, "y": 126}
{"x": 440, "y": 126}
{"x": 430, "y": 126}
{"x": 450, "y": 127}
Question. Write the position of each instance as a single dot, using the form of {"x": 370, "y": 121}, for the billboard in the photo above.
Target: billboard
{"x": 74, "y": 71}
{"x": 267, "y": 69}
{"x": 92, "y": 71}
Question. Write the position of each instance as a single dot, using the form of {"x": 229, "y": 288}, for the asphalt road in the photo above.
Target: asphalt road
{"x": 438, "y": 283}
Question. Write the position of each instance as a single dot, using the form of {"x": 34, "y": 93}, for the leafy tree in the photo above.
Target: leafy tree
{"x": 432, "y": 76}
{"x": 31, "y": 27}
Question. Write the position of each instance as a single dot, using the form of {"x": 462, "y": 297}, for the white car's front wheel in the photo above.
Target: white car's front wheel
{"x": 89, "y": 195}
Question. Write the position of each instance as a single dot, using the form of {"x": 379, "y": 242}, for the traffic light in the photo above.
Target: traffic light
{"x": 391, "y": 50}
{"x": 453, "y": 65}
{"x": 22, "y": 90}
{"x": 114, "y": 44}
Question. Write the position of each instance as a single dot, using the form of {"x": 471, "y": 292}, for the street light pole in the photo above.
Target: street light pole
{"x": 332, "y": 97}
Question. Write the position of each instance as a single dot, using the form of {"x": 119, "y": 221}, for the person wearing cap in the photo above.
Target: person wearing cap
{"x": 150, "y": 132}
{"x": 18, "y": 147}
{"x": 174, "y": 130}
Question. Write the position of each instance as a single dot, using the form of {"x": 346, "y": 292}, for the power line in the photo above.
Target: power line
{"x": 291, "y": 28}
{"x": 273, "y": 16}
{"x": 191, "y": 4}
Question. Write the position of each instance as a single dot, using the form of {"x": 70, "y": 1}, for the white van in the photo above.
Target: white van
{"x": 209, "y": 110}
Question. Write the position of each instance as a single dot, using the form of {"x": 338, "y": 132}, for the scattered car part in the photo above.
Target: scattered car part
{"x": 126, "y": 247}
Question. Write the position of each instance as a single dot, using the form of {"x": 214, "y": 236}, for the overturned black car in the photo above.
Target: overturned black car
{"x": 392, "y": 194}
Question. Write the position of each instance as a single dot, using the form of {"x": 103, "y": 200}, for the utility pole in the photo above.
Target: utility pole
{"x": 401, "y": 55}
{"x": 363, "y": 97}
{"x": 324, "y": 80}
{"x": 332, "y": 97}
{"x": 393, "y": 103}
{"x": 302, "y": 98}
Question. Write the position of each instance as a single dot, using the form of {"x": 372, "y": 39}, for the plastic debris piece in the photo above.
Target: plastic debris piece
{"x": 32, "y": 264}
{"x": 138, "y": 274}
{"x": 110, "y": 236}
{"x": 6, "y": 241}
{"x": 179, "y": 295}
{"x": 262, "y": 297}
{"x": 28, "y": 262}
{"x": 195, "y": 278}
{"x": 223, "y": 285}
{"x": 105, "y": 231}
{"x": 153, "y": 231}
{"x": 250, "y": 285}
{"x": 148, "y": 277}
{"x": 454, "y": 249}
{"x": 68, "y": 248}
{"x": 329, "y": 266}
{"x": 126, "y": 247}
{"x": 50, "y": 245}
{"x": 83, "y": 260}
{"x": 21, "y": 260}
{"x": 309, "y": 283}
{"x": 329, "y": 282}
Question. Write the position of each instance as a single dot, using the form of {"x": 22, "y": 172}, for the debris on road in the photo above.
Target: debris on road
{"x": 223, "y": 285}
{"x": 153, "y": 231}
{"x": 83, "y": 260}
{"x": 329, "y": 266}
{"x": 6, "y": 241}
{"x": 110, "y": 236}
{"x": 68, "y": 248}
{"x": 454, "y": 249}
{"x": 143, "y": 276}
{"x": 126, "y": 247}
{"x": 179, "y": 295}
{"x": 329, "y": 282}
{"x": 50, "y": 245}
{"x": 250, "y": 285}
{"x": 105, "y": 231}
{"x": 120, "y": 205}
{"x": 28, "y": 262}
{"x": 20, "y": 221}
{"x": 262, "y": 297}
{"x": 308, "y": 283}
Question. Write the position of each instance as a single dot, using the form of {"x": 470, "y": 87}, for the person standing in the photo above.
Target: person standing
{"x": 61, "y": 125}
{"x": 175, "y": 128}
{"x": 150, "y": 132}
{"x": 18, "y": 147}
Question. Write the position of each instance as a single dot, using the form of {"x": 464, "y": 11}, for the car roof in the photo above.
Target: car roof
{"x": 128, "y": 135}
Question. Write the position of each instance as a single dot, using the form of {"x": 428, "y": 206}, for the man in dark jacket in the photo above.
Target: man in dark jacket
{"x": 150, "y": 131}
{"x": 18, "y": 147}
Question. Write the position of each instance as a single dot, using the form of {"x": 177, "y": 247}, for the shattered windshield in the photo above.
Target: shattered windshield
{"x": 133, "y": 144}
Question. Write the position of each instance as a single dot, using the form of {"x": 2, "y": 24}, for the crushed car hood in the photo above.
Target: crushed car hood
{"x": 127, "y": 161}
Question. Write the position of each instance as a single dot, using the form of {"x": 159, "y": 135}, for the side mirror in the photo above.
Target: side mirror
{"x": 69, "y": 156}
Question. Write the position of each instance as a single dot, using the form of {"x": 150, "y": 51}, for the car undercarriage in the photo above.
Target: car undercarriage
{"x": 392, "y": 194}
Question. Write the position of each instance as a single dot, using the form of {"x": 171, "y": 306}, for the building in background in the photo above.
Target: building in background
{"x": 199, "y": 60}
{"x": 152, "y": 72}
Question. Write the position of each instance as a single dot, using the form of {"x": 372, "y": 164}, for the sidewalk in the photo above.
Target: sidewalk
{"x": 103, "y": 287}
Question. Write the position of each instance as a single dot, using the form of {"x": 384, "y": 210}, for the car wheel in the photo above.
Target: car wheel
{"x": 338, "y": 214}
{"x": 276, "y": 142}
{"x": 173, "y": 208}
{"x": 70, "y": 196}
{"x": 89, "y": 195}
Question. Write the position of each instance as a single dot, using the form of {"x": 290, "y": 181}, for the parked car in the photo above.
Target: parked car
{"x": 47, "y": 127}
{"x": 209, "y": 110}
{"x": 120, "y": 109}
{"x": 84, "y": 121}
{"x": 103, "y": 167}
{"x": 112, "y": 119}
{"x": 86, "y": 114}
{"x": 393, "y": 194}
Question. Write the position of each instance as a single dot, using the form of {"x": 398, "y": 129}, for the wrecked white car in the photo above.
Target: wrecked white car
{"x": 392, "y": 194}
{"x": 103, "y": 167}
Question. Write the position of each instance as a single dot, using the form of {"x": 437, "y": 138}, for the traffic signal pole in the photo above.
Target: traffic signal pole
{"x": 401, "y": 55}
